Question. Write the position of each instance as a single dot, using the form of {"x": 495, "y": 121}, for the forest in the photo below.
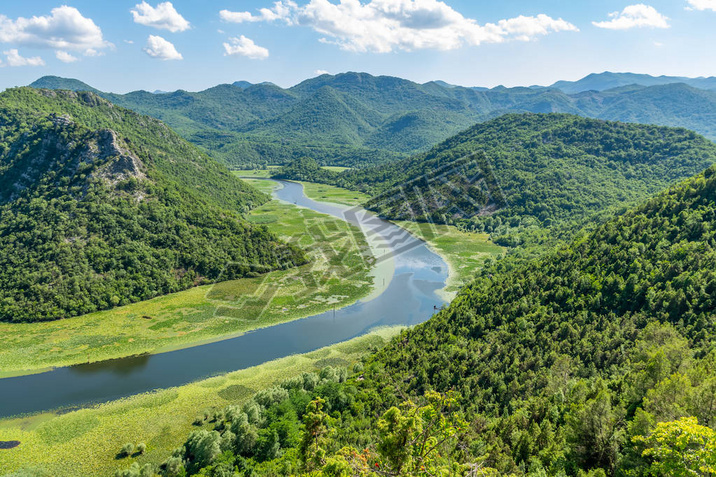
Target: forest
{"x": 101, "y": 207}
{"x": 596, "y": 359}
{"x": 526, "y": 178}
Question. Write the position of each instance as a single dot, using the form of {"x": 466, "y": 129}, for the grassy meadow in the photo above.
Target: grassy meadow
{"x": 337, "y": 195}
{"x": 339, "y": 273}
{"x": 84, "y": 443}
{"x": 261, "y": 173}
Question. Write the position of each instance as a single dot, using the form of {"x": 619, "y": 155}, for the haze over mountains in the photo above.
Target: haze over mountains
{"x": 356, "y": 119}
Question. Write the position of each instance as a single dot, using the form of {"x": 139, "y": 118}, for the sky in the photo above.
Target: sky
{"x": 122, "y": 46}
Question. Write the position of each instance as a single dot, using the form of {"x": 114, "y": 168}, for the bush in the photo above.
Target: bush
{"x": 127, "y": 450}
{"x": 141, "y": 448}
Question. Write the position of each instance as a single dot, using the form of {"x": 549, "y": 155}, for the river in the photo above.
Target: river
{"x": 408, "y": 299}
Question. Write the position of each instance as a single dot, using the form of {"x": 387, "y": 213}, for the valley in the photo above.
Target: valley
{"x": 337, "y": 276}
{"x": 359, "y": 275}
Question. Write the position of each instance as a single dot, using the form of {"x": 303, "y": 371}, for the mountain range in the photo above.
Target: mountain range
{"x": 356, "y": 119}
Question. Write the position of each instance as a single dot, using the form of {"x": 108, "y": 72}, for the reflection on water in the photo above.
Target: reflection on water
{"x": 409, "y": 299}
{"x": 118, "y": 367}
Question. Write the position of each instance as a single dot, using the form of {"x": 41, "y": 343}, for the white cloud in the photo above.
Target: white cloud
{"x": 158, "y": 47}
{"x": 65, "y": 28}
{"x": 528, "y": 28}
{"x": 243, "y": 46}
{"x": 702, "y": 5}
{"x": 281, "y": 10}
{"x": 321, "y": 72}
{"x": 386, "y": 25}
{"x": 163, "y": 17}
{"x": 65, "y": 57}
{"x": 129, "y": 42}
{"x": 635, "y": 16}
{"x": 14, "y": 59}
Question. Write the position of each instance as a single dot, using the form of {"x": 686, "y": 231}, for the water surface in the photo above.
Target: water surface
{"x": 409, "y": 299}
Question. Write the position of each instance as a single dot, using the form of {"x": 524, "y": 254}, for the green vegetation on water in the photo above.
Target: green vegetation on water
{"x": 545, "y": 176}
{"x": 337, "y": 275}
{"x": 466, "y": 253}
{"x": 599, "y": 358}
{"x": 86, "y": 443}
{"x": 337, "y": 195}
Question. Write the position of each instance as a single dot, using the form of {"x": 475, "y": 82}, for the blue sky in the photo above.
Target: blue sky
{"x": 123, "y": 45}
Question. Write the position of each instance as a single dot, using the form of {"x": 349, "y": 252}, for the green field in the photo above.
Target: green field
{"x": 255, "y": 172}
{"x": 464, "y": 252}
{"x": 338, "y": 274}
{"x": 337, "y": 195}
{"x": 85, "y": 442}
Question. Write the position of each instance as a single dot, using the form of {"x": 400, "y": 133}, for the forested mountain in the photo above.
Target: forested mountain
{"x": 100, "y": 207}
{"x": 56, "y": 82}
{"x": 537, "y": 170}
{"x": 356, "y": 119}
{"x": 598, "y": 359}
{"x": 609, "y": 80}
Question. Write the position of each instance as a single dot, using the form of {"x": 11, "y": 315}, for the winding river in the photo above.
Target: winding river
{"x": 408, "y": 299}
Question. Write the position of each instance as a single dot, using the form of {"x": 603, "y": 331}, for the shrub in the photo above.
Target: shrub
{"x": 127, "y": 450}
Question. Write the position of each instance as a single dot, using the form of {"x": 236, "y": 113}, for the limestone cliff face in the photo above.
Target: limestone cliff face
{"x": 114, "y": 162}
{"x": 67, "y": 153}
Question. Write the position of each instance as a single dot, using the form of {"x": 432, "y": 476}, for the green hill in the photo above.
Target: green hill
{"x": 563, "y": 366}
{"x": 543, "y": 171}
{"x": 56, "y": 82}
{"x": 100, "y": 207}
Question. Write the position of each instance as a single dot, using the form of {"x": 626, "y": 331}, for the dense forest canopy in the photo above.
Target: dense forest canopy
{"x": 100, "y": 207}
{"x": 356, "y": 119}
{"x": 551, "y": 172}
{"x": 597, "y": 359}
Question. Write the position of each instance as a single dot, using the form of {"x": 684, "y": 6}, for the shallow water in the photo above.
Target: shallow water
{"x": 408, "y": 299}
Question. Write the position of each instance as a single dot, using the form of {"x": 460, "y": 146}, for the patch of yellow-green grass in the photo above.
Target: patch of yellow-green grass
{"x": 263, "y": 185}
{"x": 336, "y": 168}
{"x": 464, "y": 252}
{"x": 337, "y": 195}
{"x": 86, "y": 442}
{"x": 338, "y": 274}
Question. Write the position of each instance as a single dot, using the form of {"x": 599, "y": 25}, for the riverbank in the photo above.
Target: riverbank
{"x": 85, "y": 442}
{"x": 338, "y": 275}
{"x": 464, "y": 252}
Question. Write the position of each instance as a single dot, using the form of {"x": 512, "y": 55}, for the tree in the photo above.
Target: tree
{"x": 416, "y": 440}
{"x": 315, "y": 423}
{"x": 680, "y": 448}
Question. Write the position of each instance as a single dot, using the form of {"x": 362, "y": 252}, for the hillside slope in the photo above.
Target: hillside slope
{"x": 564, "y": 360}
{"x": 597, "y": 359}
{"x": 542, "y": 171}
{"x": 100, "y": 207}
